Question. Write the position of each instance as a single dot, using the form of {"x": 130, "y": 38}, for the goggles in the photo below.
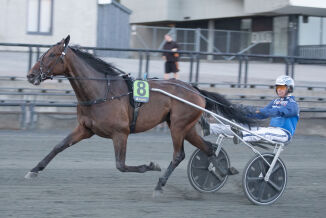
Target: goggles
{"x": 281, "y": 87}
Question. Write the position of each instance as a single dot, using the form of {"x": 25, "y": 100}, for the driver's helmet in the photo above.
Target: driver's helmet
{"x": 285, "y": 80}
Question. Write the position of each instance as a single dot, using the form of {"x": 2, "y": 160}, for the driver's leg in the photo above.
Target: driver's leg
{"x": 270, "y": 133}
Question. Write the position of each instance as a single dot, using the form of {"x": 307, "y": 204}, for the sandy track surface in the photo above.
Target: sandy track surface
{"x": 82, "y": 181}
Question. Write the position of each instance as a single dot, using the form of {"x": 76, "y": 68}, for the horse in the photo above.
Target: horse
{"x": 104, "y": 108}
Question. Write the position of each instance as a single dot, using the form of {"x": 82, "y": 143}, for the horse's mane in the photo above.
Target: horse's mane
{"x": 96, "y": 63}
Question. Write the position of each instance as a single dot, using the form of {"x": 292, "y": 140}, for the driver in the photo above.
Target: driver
{"x": 283, "y": 111}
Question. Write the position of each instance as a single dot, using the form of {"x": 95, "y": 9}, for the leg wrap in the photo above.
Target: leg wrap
{"x": 211, "y": 148}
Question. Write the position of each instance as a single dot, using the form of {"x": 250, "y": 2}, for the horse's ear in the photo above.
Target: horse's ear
{"x": 67, "y": 39}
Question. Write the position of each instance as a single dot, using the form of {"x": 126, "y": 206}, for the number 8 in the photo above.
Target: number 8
{"x": 141, "y": 88}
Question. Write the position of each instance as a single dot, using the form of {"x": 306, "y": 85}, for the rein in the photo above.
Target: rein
{"x": 88, "y": 103}
{"x": 102, "y": 100}
{"x": 49, "y": 75}
{"x": 205, "y": 97}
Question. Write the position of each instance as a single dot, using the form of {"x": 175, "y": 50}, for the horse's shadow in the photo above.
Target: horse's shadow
{"x": 176, "y": 193}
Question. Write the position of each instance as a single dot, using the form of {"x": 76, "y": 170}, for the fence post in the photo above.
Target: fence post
{"x": 197, "y": 40}
{"x": 228, "y": 36}
{"x": 140, "y": 64}
{"x": 191, "y": 66}
{"x": 37, "y": 53}
{"x": 30, "y": 56}
{"x": 154, "y": 38}
{"x": 197, "y": 68}
{"x": 210, "y": 37}
{"x": 240, "y": 70}
{"x": 147, "y": 64}
{"x": 197, "y": 47}
{"x": 286, "y": 66}
{"x": 246, "y": 72}
{"x": 292, "y": 67}
{"x": 23, "y": 116}
{"x": 31, "y": 123}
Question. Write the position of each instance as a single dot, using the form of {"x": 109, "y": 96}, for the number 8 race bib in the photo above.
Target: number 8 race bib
{"x": 141, "y": 91}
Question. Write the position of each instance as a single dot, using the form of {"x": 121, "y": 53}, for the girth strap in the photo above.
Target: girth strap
{"x": 134, "y": 118}
{"x": 135, "y": 105}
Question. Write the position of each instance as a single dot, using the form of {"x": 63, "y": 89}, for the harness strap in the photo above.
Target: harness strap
{"x": 100, "y": 100}
{"x": 134, "y": 118}
{"x": 135, "y": 105}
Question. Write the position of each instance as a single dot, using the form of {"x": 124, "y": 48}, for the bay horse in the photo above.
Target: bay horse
{"x": 104, "y": 108}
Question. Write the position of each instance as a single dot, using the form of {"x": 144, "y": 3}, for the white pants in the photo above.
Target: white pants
{"x": 270, "y": 133}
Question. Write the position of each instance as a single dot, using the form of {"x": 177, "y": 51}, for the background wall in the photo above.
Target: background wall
{"x": 77, "y": 18}
{"x": 182, "y": 10}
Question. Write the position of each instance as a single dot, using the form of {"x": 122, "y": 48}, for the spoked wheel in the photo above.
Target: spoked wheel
{"x": 259, "y": 191}
{"x": 206, "y": 176}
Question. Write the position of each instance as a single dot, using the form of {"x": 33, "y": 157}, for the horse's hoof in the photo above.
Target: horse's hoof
{"x": 157, "y": 194}
{"x": 232, "y": 171}
{"x": 31, "y": 175}
{"x": 155, "y": 166}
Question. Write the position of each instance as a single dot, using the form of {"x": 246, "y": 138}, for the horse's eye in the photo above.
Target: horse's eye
{"x": 51, "y": 55}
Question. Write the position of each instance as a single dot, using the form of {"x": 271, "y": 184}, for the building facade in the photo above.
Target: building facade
{"x": 101, "y": 23}
{"x": 278, "y": 27}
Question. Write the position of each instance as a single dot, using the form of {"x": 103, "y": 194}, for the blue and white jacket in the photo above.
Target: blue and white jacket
{"x": 284, "y": 113}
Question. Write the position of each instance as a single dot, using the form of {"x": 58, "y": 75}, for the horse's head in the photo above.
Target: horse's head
{"x": 50, "y": 64}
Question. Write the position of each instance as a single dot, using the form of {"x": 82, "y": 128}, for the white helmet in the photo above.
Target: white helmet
{"x": 285, "y": 80}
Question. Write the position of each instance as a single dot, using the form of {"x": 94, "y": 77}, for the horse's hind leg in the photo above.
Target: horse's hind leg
{"x": 178, "y": 156}
{"x": 193, "y": 138}
{"x": 77, "y": 135}
{"x": 207, "y": 148}
{"x": 120, "y": 148}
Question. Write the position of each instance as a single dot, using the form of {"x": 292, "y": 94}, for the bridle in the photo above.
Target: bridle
{"x": 48, "y": 74}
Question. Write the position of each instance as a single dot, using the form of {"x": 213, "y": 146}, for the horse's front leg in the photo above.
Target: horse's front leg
{"x": 120, "y": 148}
{"x": 77, "y": 135}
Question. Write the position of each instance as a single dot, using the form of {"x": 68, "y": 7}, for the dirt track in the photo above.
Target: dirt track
{"x": 83, "y": 182}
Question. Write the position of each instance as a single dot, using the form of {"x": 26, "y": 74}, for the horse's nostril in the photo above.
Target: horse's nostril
{"x": 30, "y": 76}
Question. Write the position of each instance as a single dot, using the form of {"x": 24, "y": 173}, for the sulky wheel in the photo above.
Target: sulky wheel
{"x": 259, "y": 191}
{"x": 206, "y": 175}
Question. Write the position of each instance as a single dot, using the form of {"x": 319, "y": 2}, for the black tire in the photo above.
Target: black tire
{"x": 256, "y": 189}
{"x": 200, "y": 177}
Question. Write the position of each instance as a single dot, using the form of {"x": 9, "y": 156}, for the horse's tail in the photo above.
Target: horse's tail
{"x": 218, "y": 104}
